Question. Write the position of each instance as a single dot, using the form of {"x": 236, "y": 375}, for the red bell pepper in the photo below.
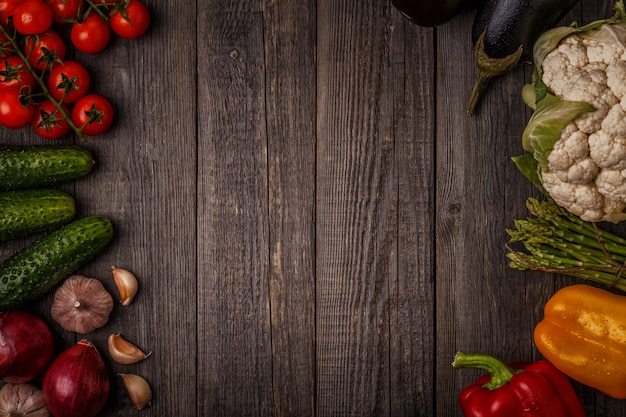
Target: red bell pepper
{"x": 516, "y": 389}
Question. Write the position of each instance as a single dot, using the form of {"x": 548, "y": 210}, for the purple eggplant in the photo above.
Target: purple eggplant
{"x": 504, "y": 33}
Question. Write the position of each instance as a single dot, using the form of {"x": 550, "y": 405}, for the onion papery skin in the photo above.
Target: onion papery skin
{"x": 26, "y": 346}
{"x": 77, "y": 383}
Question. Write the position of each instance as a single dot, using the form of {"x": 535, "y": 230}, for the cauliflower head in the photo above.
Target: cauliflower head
{"x": 583, "y": 166}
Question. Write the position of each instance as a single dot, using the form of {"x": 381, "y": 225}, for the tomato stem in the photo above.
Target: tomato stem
{"x": 42, "y": 84}
{"x": 97, "y": 8}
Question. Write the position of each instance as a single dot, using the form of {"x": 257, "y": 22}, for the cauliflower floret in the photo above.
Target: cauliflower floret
{"x": 586, "y": 170}
{"x": 614, "y": 123}
{"x": 615, "y": 76}
{"x": 572, "y": 146}
{"x": 608, "y": 151}
{"x": 602, "y": 51}
{"x": 584, "y": 200}
{"x": 612, "y": 184}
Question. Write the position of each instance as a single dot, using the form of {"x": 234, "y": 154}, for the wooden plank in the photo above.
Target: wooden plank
{"x": 412, "y": 289}
{"x": 356, "y": 209}
{"x": 289, "y": 38}
{"x": 234, "y": 362}
{"x": 480, "y": 308}
{"x": 145, "y": 181}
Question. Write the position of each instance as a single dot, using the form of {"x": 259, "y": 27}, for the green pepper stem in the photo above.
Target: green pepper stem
{"x": 500, "y": 373}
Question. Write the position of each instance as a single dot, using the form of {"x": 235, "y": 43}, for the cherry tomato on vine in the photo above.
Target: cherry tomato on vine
{"x": 68, "y": 81}
{"x": 65, "y": 11}
{"x": 7, "y": 7}
{"x": 15, "y": 74}
{"x": 93, "y": 114}
{"x": 16, "y": 111}
{"x": 49, "y": 122}
{"x": 130, "y": 21}
{"x": 32, "y": 16}
{"x": 45, "y": 49}
{"x": 91, "y": 35}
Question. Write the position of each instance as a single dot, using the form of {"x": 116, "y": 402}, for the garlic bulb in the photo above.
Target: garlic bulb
{"x": 138, "y": 390}
{"x": 124, "y": 352}
{"x": 126, "y": 283}
{"x": 22, "y": 400}
{"x": 81, "y": 304}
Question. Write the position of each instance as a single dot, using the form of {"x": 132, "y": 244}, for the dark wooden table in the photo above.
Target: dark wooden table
{"x": 316, "y": 224}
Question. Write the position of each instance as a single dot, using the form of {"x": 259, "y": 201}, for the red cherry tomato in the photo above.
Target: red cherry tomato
{"x": 131, "y": 21}
{"x": 91, "y": 35}
{"x": 44, "y": 50}
{"x": 65, "y": 11}
{"x": 49, "y": 122}
{"x": 93, "y": 114}
{"x": 14, "y": 73}
{"x": 7, "y": 7}
{"x": 15, "y": 110}
{"x": 32, "y": 16}
{"x": 68, "y": 81}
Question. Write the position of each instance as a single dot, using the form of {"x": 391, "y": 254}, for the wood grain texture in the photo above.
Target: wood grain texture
{"x": 316, "y": 224}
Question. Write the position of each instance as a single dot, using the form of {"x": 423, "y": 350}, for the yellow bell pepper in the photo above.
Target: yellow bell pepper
{"x": 583, "y": 334}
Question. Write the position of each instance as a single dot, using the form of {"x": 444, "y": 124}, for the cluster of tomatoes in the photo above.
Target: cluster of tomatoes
{"x": 38, "y": 86}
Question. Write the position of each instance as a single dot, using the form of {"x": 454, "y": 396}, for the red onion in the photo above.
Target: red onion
{"x": 77, "y": 383}
{"x": 26, "y": 346}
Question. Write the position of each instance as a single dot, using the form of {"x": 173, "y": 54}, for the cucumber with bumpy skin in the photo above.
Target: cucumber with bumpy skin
{"x": 25, "y": 212}
{"x": 40, "y": 166}
{"x": 35, "y": 270}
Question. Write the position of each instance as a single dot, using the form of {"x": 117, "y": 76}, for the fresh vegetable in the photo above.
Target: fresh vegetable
{"x": 68, "y": 81}
{"x": 44, "y": 50}
{"x": 26, "y": 212}
{"x": 37, "y": 166}
{"x": 22, "y": 400}
{"x": 91, "y": 35}
{"x": 124, "y": 352}
{"x": 14, "y": 73}
{"x": 93, "y": 114}
{"x": 558, "y": 241}
{"x": 27, "y": 346}
{"x": 81, "y": 304}
{"x": 49, "y": 123}
{"x": 517, "y": 389}
{"x": 430, "y": 12}
{"x": 32, "y": 16}
{"x": 16, "y": 110}
{"x": 130, "y": 19}
{"x": 583, "y": 333}
{"x": 575, "y": 137}
{"x": 503, "y": 35}
{"x": 34, "y": 61}
{"x": 126, "y": 283}
{"x": 138, "y": 390}
{"x": 36, "y": 269}
{"x": 77, "y": 383}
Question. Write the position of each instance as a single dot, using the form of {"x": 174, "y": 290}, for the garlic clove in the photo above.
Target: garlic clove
{"x": 127, "y": 284}
{"x": 124, "y": 352}
{"x": 138, "y": 390}
{"x": 81, "y": 304}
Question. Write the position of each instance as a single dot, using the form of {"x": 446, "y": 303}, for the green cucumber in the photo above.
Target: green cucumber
{"x": 35, "y": 270}
{"x": 40, "y": 166}
{"x": 25, "y": 212}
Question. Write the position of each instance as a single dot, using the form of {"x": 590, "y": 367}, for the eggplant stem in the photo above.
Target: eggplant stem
{"x": 488, "y": 67}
